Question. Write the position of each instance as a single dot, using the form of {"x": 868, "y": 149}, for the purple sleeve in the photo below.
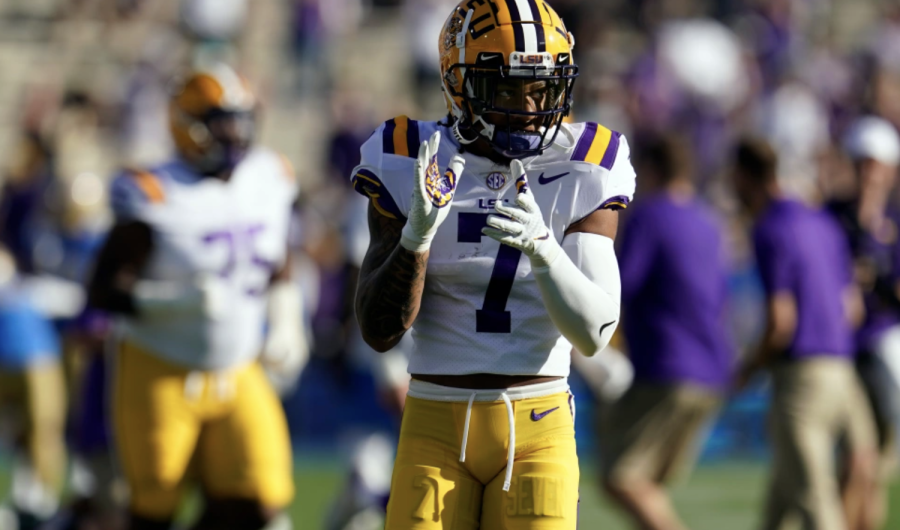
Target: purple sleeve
{"x": 896, "y": 264}
{"x": 845, "y": 256}
{"x": 772, "y": 260}
{"x": 636, "y": 254}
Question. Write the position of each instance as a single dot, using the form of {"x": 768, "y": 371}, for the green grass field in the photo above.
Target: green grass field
{"x": 717, "y": 497}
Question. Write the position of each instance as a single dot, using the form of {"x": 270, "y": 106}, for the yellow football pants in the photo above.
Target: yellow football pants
{"x": 432, "y": 490}
{"x": 36, "y": 400}
{"x": 228, "y": 426}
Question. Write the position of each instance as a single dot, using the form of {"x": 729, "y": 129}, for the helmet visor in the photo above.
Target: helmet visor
{"x": 525, "y": 106}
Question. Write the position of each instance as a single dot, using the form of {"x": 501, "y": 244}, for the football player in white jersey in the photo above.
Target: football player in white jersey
{"x": 196, "y": 265}
{"x": 493, "y": 241}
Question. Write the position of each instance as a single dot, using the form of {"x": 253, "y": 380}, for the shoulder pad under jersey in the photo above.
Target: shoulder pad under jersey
{"x": 385, "y": 172}
{"x": 612, "y": 178}
{"x": 134, "y": 190}
{"x": 277, "y": 168}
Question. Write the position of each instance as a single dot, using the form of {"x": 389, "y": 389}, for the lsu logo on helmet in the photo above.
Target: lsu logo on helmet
{"x": 488, "y": 42}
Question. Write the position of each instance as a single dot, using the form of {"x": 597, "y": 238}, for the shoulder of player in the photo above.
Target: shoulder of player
{"x": 387, "y": 157}
{"x": 140, "y": 185}
{"x": 596, "y": 158}
{"x": 397, "y": 140}
{"x": 597, "y": 146}
{"x": 271, "y": 162}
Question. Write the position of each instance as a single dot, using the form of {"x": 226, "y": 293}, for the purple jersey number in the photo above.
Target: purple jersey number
{"x": 493, "y": 316}
{"x": 240, "y": 242}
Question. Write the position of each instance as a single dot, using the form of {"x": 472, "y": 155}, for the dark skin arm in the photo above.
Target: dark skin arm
{"x": 392, "y": 279}
{"x": 391, "y": 282}
{"x": 601, "y": 222}
{"x": 124, "y": 255}
{"x": 781, "y": 325}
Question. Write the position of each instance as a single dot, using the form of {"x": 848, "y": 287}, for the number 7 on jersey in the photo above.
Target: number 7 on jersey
{"x": 493, "y": 316}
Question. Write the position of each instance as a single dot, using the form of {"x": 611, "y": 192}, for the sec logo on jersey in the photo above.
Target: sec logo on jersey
{"x": 439, "y": 187}
{"x": 495, "y": 181}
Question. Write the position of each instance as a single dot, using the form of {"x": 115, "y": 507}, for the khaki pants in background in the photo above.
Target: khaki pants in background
{"x": 652, "y": 433}
{"x": 33, "y": 405}
{"x": 815, "y": 403}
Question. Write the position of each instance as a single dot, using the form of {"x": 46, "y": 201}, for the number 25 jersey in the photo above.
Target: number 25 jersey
{"x": 481, "y": 309}
{"x": 235, "y": 231}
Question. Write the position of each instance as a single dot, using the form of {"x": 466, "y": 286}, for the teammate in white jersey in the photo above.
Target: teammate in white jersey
{"x": 493, "y": 241}
{"x": 197, "y": 265}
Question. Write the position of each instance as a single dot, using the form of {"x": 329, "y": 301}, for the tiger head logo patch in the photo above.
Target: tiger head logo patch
{"x": 439, "y": 188}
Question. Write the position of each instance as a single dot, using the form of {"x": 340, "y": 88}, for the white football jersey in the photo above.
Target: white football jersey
{"x": 236, "y": 230}
{"x": 481, "y": 309}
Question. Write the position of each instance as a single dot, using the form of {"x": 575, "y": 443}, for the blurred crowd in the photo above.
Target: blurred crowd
{"x": 86, "y": 87}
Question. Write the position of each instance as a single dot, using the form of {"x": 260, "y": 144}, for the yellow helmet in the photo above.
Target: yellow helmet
{"x": 212, "y": 119}
{"x": 486, "y": 43}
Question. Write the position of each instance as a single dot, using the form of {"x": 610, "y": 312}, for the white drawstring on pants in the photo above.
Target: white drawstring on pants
{"x": 511, "y": 455}
{"x": 422, "y": 390}
{"x": 512, "y": 441}
{"x": 462, "y": 451}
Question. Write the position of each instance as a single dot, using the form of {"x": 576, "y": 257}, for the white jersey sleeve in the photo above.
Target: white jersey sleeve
{"x": 385, "y": 173}
{"x": 611, "y": 182}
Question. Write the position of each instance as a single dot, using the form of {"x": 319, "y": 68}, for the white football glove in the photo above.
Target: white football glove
{"x": 286, "y": 350}
{"x": 522, "y": 226}
{"x": 206, "y": 294}
{"x": 432, "y": 195}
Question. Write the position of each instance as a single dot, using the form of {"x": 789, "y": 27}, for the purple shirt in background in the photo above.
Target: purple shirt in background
{"x": 674, "y": 293}
{"x": 802, "y": 251}
{"x": 882, "y": 255}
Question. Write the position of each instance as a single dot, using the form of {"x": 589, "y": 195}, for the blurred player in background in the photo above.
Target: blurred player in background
{"x": 32, "y": 404}
{"x": 674, "y": 279}
{"x": 196, "y": 266}
{"x": 872, "y": 228}
{"x": 487, "y": 439}
{"x": 812, "y": 304}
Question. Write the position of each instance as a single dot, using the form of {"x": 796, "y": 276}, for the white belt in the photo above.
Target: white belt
{"x": 429, "y": 391}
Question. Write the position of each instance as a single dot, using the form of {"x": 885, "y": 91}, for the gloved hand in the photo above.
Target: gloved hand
{"x": 286, "y": 349}
{"x": 432, "y": 195}
{"x": 522, "y": 226}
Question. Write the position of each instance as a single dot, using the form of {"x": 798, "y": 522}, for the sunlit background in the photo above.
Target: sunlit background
{"x": 83, "y": 92}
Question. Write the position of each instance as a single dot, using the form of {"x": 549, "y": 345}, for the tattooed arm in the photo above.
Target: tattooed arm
{"x": 391, "y": 281}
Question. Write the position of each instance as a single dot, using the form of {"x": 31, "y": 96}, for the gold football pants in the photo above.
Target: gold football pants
{"x": 453, "y": 459}
{"x": 228, "y": 424}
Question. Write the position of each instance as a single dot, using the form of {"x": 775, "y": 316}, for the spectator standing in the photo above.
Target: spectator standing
{"x": 673, "y": 297}
{"x": 870, "y": 225}
{"x": 817, "y": 400}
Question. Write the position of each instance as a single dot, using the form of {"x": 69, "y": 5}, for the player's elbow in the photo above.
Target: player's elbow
{"x": 377, "y": 340}
{"x": 598, "y": 335}
{"x": 380, "y": 344}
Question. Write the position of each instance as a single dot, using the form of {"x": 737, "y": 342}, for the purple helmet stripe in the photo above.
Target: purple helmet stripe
{"x": 541, "y": 38}
{"x": 516, "y": 19}
{"x": 538, "y": 26}
{"x": 584, "y": 144}
{"x": 387, "y": 137}
{"x": 609, "y": 157}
